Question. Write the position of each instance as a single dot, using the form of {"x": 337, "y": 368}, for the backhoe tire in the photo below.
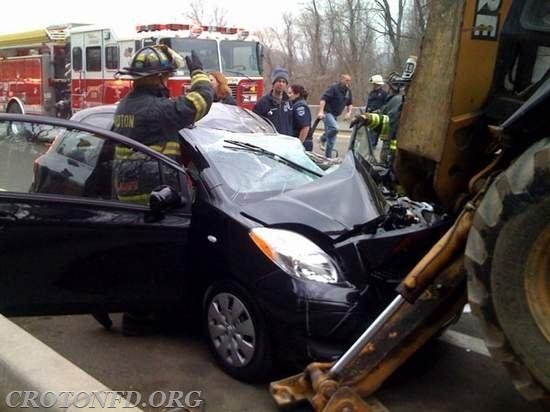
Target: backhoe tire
{"x": 508, "y": 264}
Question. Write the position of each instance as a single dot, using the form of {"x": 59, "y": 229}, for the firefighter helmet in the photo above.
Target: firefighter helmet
{"x": 377, "y": 79}
{"x": 148, "y": 61}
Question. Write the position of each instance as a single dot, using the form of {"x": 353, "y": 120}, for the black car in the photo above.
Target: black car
{"x": 282, "y": 261}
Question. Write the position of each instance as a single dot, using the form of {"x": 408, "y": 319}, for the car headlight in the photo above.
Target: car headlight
{"x": 295, "y": 254}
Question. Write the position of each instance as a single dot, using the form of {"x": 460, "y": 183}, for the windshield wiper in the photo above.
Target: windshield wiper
{"x": 237, "y": 73}
{"x": 257, "y": 149}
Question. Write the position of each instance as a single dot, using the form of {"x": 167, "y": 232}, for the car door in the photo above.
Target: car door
{"x": 71, "y": 240}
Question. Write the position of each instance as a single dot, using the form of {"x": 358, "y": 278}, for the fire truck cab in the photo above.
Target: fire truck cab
{"x": 33, "y": 70}
{"x": 62, "y": 69}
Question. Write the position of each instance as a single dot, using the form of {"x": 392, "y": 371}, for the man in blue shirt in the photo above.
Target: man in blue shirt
{"x": 275, "y": 106}
{"x": 333, "y": 101}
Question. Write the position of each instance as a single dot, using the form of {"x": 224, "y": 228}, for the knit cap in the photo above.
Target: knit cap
{"x": 279, "y": 73}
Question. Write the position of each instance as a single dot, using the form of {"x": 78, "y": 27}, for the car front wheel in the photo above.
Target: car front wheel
{"x": 236, "y": 332}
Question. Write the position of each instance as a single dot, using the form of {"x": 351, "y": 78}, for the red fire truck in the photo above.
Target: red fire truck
{"x": 61, "y": 69}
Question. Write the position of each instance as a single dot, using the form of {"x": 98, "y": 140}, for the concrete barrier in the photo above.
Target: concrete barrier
{"x": 27, "y": 364}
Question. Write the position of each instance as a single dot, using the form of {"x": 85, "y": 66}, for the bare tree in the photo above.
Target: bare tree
{"x": 273, "y": 55}
{"x": 390, "y": 25}
{"x": 354, "y": 40}
{"x": 286, "y": 40}
{"x": 317, "y": 47}
{"x": 360, "y": 37}
{"x": 218, "y": 17}
{"x": 198, "y": 13}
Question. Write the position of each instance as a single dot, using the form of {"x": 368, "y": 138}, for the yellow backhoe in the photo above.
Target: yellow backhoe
{"x": 474, "y": 137}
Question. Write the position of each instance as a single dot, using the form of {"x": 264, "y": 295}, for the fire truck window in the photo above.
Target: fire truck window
{"x": 111, "y": 58}
{"x": 166, "y": 41}
{"x": 240, "y": 56}
{"x": 93, "y": 59}
{"x": 77, "y": 59}
{"x": 205, "y": 48}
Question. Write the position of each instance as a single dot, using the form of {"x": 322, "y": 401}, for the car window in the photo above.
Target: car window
{"x": 361, "y": 145}
{"x": 80, "y": 146}
{"x": 20, "y": 145}
{"x": 46, "y": 159}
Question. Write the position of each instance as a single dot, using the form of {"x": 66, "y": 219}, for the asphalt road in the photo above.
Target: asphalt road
{"x": 444, "y": 377}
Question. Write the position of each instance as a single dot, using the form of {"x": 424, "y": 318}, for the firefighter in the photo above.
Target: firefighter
{"x": 148, "y": 115}
{"x": 375, "y": 100}
{"x": 385, "y": 122}
{"x": 377, "y": 96}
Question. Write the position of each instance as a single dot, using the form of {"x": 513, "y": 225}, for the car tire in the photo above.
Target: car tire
{"x": 507, "y": 262}
{"x": 236, "y": 332}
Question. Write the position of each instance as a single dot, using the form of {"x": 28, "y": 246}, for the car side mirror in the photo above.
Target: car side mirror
{"x": 163, "y": 198}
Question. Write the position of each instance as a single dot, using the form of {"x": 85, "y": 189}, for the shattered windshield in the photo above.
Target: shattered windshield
{"x": 268, "y": 164}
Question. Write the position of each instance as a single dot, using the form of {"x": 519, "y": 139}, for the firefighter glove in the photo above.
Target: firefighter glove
{"x": 360, "y": 120}
{"x": 176, "y": 58}
{"x": 193, "y": 62}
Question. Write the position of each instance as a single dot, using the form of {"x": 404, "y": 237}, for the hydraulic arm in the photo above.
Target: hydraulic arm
{"x": 430, "y": 297}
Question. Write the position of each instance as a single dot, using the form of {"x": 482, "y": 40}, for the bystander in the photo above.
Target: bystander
{"x": 333, "y": 101}
{"x": 275, "y": 106}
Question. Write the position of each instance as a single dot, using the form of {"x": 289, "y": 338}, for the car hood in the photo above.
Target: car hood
{"x": 338, "y": 202}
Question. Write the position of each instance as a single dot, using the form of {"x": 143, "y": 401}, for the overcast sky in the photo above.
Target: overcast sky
{"x": 32, "y": 14}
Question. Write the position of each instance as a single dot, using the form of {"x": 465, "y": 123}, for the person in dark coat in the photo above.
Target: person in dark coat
{"x": 150, "y": 116}
{"x": 301, "y": 115}
{"x": 222, "y": 92}
{"x": 275, "y": 106}
{"x": 334, "y": 100}
{"x": 375, "y": 100}
{"x": 385, "y": 122}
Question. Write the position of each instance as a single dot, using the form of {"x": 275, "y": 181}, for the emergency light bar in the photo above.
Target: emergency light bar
{"x": 196, "y": 28}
